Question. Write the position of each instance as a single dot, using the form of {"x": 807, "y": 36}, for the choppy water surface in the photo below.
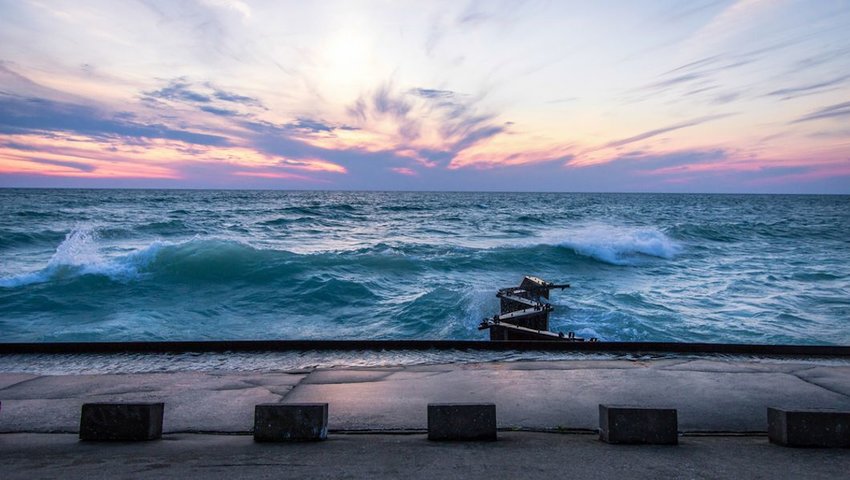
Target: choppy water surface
{"x": 99, "y": 265}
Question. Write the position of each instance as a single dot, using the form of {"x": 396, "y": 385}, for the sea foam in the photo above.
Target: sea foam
{"x": 619, "y": 245}
{"x": 80, "y": 254}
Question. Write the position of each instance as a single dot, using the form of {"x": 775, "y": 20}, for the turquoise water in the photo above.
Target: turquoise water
{"x": 98, "y": 265}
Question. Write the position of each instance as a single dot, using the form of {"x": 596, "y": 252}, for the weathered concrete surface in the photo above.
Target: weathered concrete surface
{"x": 710, "y": 394}
{"x": 517, "y": 455}
{"x": 194, "y": 402}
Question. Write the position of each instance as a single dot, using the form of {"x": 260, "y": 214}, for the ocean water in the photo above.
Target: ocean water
{"x": 115, "y": 265}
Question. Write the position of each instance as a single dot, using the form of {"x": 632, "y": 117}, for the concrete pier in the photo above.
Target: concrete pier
{"x": 538, "y": 402}
{"x": 711, "y": 395}
{"x": 517, "y": 455}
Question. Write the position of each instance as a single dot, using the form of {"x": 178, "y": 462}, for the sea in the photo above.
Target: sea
{"x": 151, "y": 265}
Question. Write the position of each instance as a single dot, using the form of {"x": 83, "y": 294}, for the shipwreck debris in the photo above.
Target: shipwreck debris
{"x": 524, "y": 313}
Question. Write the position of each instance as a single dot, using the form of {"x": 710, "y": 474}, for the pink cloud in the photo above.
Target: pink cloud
{"x": 405, "y": 171}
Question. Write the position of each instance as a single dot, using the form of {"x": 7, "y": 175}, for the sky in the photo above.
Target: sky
{"x": 749, "y": 96}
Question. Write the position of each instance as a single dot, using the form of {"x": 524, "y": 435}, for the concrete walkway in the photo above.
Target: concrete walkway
{"x": 712, "y": 395}
{"x": 516, "y": 455}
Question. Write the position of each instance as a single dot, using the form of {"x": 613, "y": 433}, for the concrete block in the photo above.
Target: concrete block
{"x": 626, "y": 424}
{"x": 461, "y": 421}
{"x": 290, "y": 422}
{"x": 808, "y": 428}
{"x": 121, "y": 421}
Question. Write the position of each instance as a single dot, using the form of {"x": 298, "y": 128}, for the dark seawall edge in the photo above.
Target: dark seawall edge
{"x": 377, "y": 345}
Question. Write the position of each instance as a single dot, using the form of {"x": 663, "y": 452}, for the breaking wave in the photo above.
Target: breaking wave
{"x": 617, "y": 245}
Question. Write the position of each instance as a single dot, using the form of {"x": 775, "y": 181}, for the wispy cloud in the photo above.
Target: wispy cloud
{"x": 659, "y": 131}
{"x": 460, "y": 93}
{"x": 81, "y": 166}
{"x": 838, "y": 110}
{"x": 432, "y": 93}
{"x": 451, "y": 121}
{"x": 181, "y": 90}
{"x": 23, "y": 115}
{"x": 808, "y": 89}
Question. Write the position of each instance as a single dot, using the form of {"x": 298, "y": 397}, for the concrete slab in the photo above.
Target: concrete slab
{"x": 194, "y": 402}
{"x": 836, "y": 379}
{"x": 517, "y": 455}
{"x": 9, "y": 379}
{"x": 710, "y": 394}
{"x": 348, "y": 376}
{"x": 558, "y": 397}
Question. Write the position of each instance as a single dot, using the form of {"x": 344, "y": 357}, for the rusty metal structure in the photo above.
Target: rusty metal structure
{"x": 524, "y": 313}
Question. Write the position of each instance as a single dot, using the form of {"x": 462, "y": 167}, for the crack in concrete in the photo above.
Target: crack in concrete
{"x": 812, "y": 367}
{"x": 22, "y": 382}
{"x": 354, "y": 380}
{"x": 268, "y": 388}
{"x": 811, "y": 382}
{"x": 285, "y": 396}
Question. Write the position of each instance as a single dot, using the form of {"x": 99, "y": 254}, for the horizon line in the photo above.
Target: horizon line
{"x": 588, "y": 192}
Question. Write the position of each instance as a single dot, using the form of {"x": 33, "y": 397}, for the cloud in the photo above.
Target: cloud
{"x": 404, "y": 171}
{"x": 737, "y": 17}
{"x": 662, "y": 130}
{"x": 272, "y": 175}
{"x": 833, "y": 111}
{"x": 562, "y": 100}
{"x": 83, "y": 167}
{"x": 179, "y": 90}
{"x": 706, "y": 73}
{"x": 224, "y": 112}
{"x": 802, "y": 90}
{"x": 471, "y": 134}
{"x": 311, "y": 125}
{"x": 312, "y": 165}
{"x": 684, "y": 10}
{"x": 432, "y": 93}
{"x": 385, "y": 101}
{"x": 35, "y": 115}
{"x": 473, "y": 15}
{"x": 233, "y": 5}
{"x": 236, "y": 98}
{"x": 206, "y": 97}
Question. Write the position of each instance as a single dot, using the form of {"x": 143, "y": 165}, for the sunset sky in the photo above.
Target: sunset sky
{"x": 665, "y": 96}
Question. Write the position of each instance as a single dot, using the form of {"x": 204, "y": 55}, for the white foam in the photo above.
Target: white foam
{"x": 618, "y": 245}
{"x": 80, "y": 254}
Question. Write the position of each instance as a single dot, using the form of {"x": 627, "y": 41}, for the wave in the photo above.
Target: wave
{"x": 215, "y": 260}
{"x": 405, "y": 208}
{"x": 79, "y": 254}
{"x": 618, "y": 245}
{"x": 748, "y": 230}
{"x": 28, "y": 239}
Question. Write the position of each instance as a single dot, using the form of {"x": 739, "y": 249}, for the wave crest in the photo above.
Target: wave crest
{"x": 620, "y": 245}
{"x": 80, "y": 254}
